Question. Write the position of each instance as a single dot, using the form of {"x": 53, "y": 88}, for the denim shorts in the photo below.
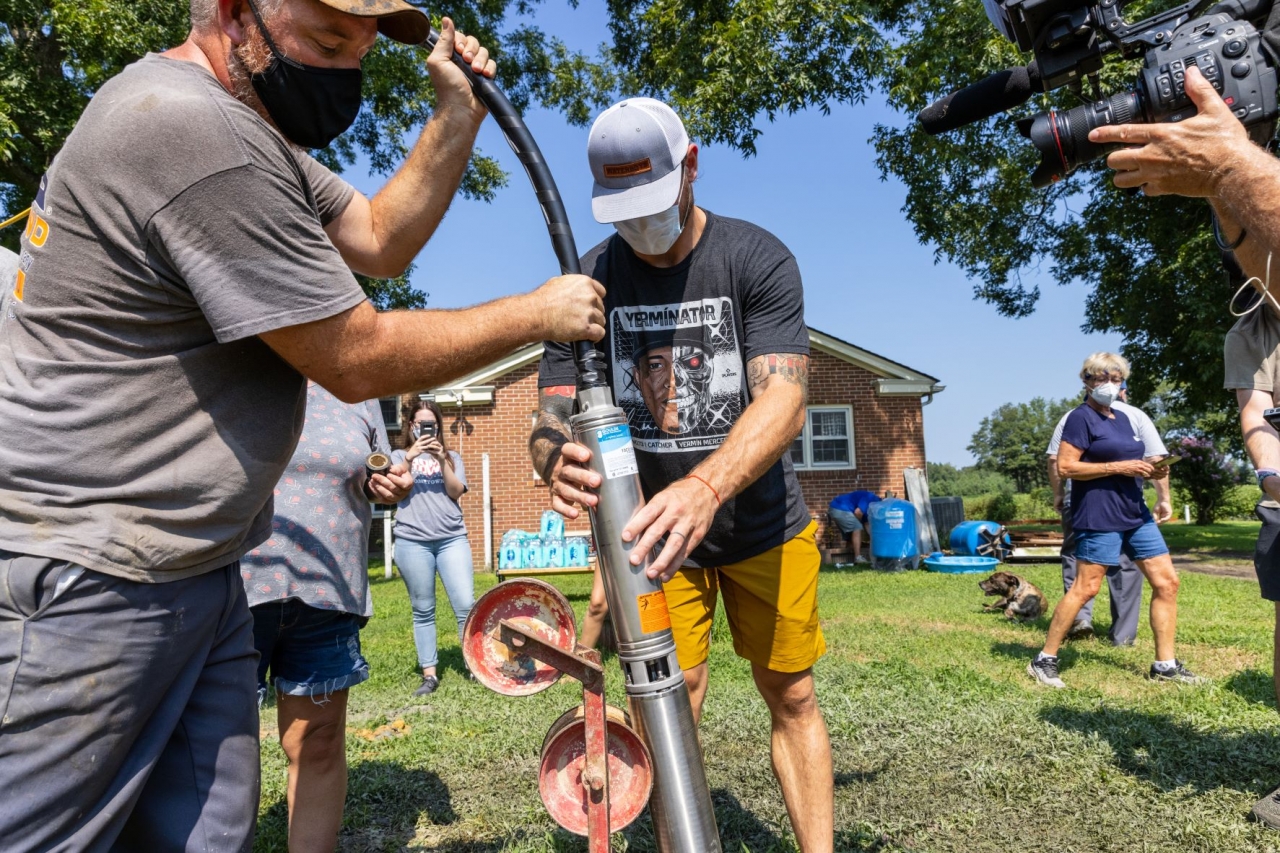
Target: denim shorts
{"x": 308, "y": 651}
{"x": 846, "y": 521}
{"x": 1103, "y": 547}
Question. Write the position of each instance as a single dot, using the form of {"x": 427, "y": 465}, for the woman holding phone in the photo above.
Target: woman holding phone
{"x": 1103, "y": 457}
{"x": 430, "y": 536}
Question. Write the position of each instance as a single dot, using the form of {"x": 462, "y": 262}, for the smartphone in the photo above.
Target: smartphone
{"x": 1166, "y": 462}
{"x": 424, "y": 430}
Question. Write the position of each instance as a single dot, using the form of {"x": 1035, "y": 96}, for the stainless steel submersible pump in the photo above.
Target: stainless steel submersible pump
{"x": 683, "y": 819}
{"x": 658, "y": 696}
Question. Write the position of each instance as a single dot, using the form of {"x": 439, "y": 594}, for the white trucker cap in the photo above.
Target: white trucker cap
{"x": 636, "y": 149}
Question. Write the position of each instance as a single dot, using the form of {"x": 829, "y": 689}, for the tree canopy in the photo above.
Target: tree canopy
{"x": 731, "y": 66}
{"x": 54, "y": 54}
{"x": 1013, "y": 438}
{"x": 1149, "y": 265}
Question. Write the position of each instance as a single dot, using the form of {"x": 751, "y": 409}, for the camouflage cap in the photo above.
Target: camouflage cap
{"x": 396, "y": 19}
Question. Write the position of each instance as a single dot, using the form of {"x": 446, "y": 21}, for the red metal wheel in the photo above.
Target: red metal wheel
{"x": 533, "y": 605}
{"x": 564, "y": 757}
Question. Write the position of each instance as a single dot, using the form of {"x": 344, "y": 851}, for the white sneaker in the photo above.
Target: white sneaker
{"x": 1045, "y": 671}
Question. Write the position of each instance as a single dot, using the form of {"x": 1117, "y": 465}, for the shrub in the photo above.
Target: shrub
{"x": 975, "y": 509}
{"x": 1236, "y": 505}
{"x": 1205, "y": 477}
{"x": 1003, "y": 508}
{"x": 1036, "y": 505}
{"x": 947, "y": 480}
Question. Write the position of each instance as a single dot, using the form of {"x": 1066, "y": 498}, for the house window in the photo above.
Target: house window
{"x": 390, "y": 413}
{"x": 826, "y": 442}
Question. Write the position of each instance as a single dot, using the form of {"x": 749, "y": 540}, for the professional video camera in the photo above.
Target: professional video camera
{"x": 1070, "y": 38}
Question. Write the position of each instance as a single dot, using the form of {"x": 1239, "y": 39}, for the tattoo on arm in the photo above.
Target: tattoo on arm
{"x": 788, "y": 367}
{"x": 551, "y": 429}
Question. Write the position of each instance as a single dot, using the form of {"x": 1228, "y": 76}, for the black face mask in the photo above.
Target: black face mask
{"x": 312, "y": 106}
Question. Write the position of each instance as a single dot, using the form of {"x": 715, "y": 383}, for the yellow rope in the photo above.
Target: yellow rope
{"x": 15, "y": 219}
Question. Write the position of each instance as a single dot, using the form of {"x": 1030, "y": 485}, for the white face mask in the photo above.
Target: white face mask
{"x": 1105, "y": 394}
{"x": 652, "y": 235}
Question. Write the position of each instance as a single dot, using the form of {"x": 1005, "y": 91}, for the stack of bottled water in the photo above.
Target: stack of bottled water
{"x": 546, "y": 549}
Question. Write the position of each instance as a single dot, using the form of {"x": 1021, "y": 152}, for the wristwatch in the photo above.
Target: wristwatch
{"x": 1264, "y": 473}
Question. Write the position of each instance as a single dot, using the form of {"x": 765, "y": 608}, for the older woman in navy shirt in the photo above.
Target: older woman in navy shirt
{"x": 1102, "y": 455}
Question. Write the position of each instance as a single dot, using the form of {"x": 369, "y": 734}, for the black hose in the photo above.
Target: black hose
{"x": 589, "y": 360}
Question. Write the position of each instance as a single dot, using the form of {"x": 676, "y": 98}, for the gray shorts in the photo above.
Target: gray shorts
{"x": 1266, "y": 555}
{"x": 846, "y": 521}
{"x": 127, "y": 710}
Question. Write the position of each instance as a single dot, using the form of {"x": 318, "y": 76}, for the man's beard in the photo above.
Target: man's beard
{"x": 252, "y": 56}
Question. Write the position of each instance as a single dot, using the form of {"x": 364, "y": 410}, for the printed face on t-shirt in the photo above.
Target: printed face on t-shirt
{"x": 675, "y": 384}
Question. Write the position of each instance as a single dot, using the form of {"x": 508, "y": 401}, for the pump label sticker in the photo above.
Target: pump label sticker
{"x": 654, "y": 615}
{"x": 617, "y": 452}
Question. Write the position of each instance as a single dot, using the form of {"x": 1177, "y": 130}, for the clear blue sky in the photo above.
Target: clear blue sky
{"x": 814, "y": 184}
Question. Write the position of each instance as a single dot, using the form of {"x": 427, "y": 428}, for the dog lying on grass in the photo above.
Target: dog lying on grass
{"x": 1019, "y": 599}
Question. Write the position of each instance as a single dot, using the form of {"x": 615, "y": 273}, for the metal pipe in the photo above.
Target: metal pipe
{"x": 661, "y": 710}
{"x": 683, "y": 818}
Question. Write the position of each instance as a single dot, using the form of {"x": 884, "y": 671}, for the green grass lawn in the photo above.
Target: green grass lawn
{"x": 1225, "y": 537}
{"x": 941, "y": 741}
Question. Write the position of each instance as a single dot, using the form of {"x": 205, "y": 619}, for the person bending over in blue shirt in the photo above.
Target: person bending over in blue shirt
{"x": 849, "y": 512}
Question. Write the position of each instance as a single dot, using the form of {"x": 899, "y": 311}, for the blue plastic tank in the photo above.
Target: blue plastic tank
{"x": 967, "y": 538}
{"x": 894, "y": 540}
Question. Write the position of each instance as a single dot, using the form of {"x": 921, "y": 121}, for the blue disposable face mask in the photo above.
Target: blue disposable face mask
{"x": 312, "y": 106}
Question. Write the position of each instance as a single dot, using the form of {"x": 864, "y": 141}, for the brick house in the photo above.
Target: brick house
{"x": 865, "y": 423}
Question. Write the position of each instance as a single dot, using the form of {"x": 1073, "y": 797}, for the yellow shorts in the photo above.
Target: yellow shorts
{"x": 771, "y": 601}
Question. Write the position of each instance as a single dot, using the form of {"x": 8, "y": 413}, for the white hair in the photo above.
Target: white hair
{"x": 1105, "y": 363}
{"x": 205, "y": 12}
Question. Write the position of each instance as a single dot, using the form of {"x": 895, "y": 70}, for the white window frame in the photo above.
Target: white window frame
{"x": 391, "y": 427}
{"x": 806, "y": 436}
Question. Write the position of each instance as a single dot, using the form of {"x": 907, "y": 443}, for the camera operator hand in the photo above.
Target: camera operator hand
{"x": 1188, "y": 158}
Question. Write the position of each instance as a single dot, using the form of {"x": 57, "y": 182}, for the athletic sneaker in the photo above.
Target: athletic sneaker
{"x": 1045, "y": 671}
{"x": 1080, "y": 631}
{"x": 1179, "y": 673}
{"x": 428, "y": 686}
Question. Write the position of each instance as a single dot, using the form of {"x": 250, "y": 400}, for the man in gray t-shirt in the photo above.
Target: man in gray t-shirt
{"x": 184, "y": 266}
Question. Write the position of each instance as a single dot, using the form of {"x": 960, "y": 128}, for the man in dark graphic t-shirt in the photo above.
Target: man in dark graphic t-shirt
{"x": 707, "y": 352}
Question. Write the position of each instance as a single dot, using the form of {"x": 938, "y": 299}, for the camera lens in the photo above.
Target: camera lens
{"x": 1062, "y": 138}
